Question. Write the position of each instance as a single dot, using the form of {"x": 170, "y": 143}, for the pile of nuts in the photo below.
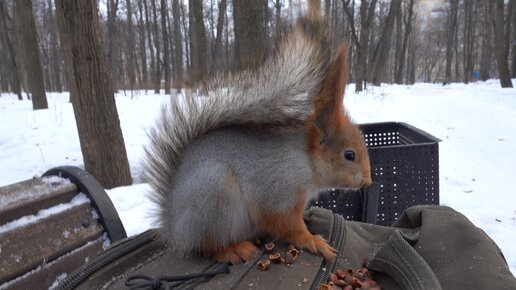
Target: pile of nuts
{"x": 287, "y": 258}
{"x": 351, "y": 279}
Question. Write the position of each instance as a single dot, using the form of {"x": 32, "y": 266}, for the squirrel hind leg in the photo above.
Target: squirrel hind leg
{"x": 290, "y": 227}
{"x": 236, "y": 253}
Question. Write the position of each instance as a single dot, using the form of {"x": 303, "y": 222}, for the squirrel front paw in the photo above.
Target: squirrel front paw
{"x": 237, "y": 252}
{"x": 317, "y": 245}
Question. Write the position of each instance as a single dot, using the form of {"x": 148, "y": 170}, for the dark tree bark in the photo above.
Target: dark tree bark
{"x": 143, "y": 51}
{"x": 198, "y": 43}
{"x": 149, "y": 41}
{"x": 398, "y": 78}
{"x": 9, "y": 54}
{"x": 487, "y": 39}
{"x": 113, "y": 54}
{"x": 217, "y": 47}
{"x": 501, "y": 46}
{"x": 513, "y": 49}
{"x": 157, "y": 80}
{"x": 55, "y": 51}
{"x": 166, "y": 49}
{"x": 381, "y": 54}
{"x": 250, "y": 33}
{"x": 367, "y": 10}
{"x": 186, "y": 37}
{"x": 130, "y": 47}
{"x": 451, "y": 30}
{"x": 102, "y": 143}
{"x": 467, "y": 50}
{"x": 178, "y": 45}
{"x": 26, "y": 30}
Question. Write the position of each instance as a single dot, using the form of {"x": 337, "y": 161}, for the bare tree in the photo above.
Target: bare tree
{"x": 398, "y": 78}
{"x": 380, "y": 55}
{"x": 149, "y": 40}
{"x": 250, "y": 33}
{"x": 157, "y": 80}
{"x": 143, "y": 47}
{"x": 217, "y": 47}
{"x": 467, "y": 47}
{"x": 486, "y": 34}
{"x": 198, "y": 43}
{"x": 12, "y": 68}
{"x": 113, "y": 54}
{"x": 166, "y": 49}
{"x": 93, "y": 101}
{"x": 130, "y": 47}
{"x": 451, "y": 30}
{"x": 501, "y": 33}
{"x": 178, "y": 45}
{"x": 26, "y": 30}
{"x": 367, "y": 12}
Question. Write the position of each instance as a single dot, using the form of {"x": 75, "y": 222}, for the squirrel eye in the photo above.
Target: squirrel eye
{"x": 349, "y": 155}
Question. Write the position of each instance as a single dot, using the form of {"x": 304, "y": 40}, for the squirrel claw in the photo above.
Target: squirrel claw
{"x": 237, "y": 252}
{"x": 317, "y": 245}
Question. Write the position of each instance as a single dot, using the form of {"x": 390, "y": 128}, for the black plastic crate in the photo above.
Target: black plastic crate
{"x": 353, "y": 204}
{"x": 405, "y": 164}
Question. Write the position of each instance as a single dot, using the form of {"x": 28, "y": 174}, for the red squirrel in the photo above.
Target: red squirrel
{"x": 245, "y": 160}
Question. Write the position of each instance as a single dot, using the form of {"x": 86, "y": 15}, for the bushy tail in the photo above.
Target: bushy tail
{"x": 280, "y": 93}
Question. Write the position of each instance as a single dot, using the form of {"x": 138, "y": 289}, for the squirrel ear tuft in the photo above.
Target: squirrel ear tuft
{"x": 329, "y": 110}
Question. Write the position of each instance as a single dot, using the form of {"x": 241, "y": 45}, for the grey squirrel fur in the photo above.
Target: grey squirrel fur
{"x": 241, "y": 161}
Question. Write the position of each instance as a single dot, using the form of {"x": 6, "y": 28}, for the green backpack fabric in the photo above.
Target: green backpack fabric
{"x": 428, "y": 247}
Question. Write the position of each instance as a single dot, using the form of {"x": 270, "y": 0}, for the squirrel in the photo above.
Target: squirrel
{"x": 245, "y": 160}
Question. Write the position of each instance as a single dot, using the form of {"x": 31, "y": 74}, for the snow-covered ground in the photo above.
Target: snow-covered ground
{"x": 476, "y": 122}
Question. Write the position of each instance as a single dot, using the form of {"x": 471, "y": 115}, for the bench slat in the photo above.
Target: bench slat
{"x": 55, "y": 235}
{"x": 44, "y": 278}
{"x": 28, "y": 197}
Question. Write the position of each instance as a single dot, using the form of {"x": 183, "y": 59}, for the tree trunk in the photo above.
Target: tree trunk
{"x": 217, "y": 47}
{"x": 452, "y": 24}
{"x": 487, "y": 40}
{"x": 366, "y": 17}
{"x": 130, "y": 47}
{"x": 178, "y": 45}
{"x": 26, "y": 28}
{"x": 112, "y": 34}
{"x": 381, "y": 54}
{"x": 166, "y": 49}
{"x": 149, "y": 41}
{"x": 467, "y": 61}
{"x": 10, "y": 54}
{"x": 250, "y": 33}
{"x": 501, "y": 50}
{"x": 157, "y": 80}
{"x": 513, "y": 49}
{"x": 143, "y": 51}
{"x": 198, "y": 43}
{"x": 398, "y": 79}
{"x": 93, "y": 101}
{"x": 55, "y": 51}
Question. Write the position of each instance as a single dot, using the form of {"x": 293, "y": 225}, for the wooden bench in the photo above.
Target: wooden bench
{"x": 49, "y": 226}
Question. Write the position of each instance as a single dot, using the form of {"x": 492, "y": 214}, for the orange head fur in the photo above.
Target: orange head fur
{"x": 337, "y": 148}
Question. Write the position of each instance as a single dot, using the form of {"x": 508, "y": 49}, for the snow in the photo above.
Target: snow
{"x": 476, "y": 122}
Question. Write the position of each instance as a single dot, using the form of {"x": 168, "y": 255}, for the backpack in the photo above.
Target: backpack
{"x": 428, "y": 247}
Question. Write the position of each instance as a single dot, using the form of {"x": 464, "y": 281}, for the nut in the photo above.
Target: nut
{"x": 294, "y": 252}
{"x": 269, "y": 247}
{"x": 264, "y": 265}
{"x": 275, "y": 258}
